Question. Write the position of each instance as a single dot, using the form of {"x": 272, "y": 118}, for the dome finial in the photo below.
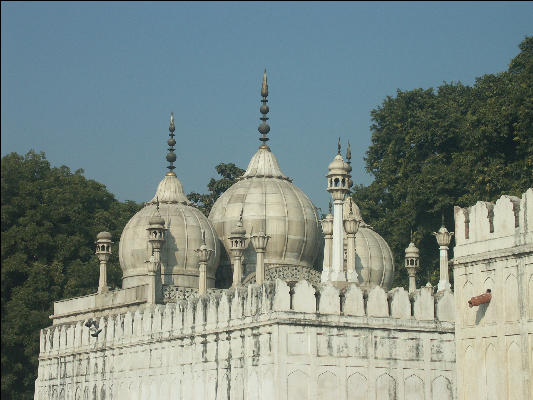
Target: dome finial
{"x": 339, "y": 146}
{"x": 264, "y": 128}
{"x": 348, "y": 154}
{"x": 171, "y": 156}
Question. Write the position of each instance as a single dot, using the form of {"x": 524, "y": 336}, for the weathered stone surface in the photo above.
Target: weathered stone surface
{"x": 400, "y": 304}
{"x": 377, "y": 305}
{"x": 353, "y": 301}
{"x": 329, "y": 299}
{"x": 303, "y": 299}
{"x": 493, "y": 339}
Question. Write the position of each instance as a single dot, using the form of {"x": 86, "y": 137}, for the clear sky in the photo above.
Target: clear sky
{"x": 93, "y": 84}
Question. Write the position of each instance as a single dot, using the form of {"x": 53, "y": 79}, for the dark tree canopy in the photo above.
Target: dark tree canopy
{"x": 433, "y": 149}
{"x": 50, "y": 218}
{"x": 229, "y": 174}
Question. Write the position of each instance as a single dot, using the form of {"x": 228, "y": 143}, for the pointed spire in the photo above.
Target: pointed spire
{"x": 330, "y": 206}
{"x": 264, "y": 128}
{"x": 339, "y": 146}
{"x": 171, "y": 156}
{"x": 348, "y": 154}
{"x": 442, "y": 219}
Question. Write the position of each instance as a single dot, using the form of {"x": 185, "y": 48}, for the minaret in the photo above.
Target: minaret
{"x": 171, "y": 156}
{"x": 412, "y": 259}
{"x": 443, "y": 239}
{"x": 203, "y": 257}
{"x": 327, "y": 229}
{"x": 103, "y": 251}
{"x": 238, "y": 245}
{"x": 351, "y": 226}
{"x": 338, "y": 185}
{"x": 156, "y": 237}
{"x": 264, "y": 128}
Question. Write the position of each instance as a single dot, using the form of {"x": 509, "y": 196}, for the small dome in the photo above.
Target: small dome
{"x": 170, "y": 190}
{"x": 338, "y": 166}
{"x": 156, "y": 220}
{"x": 104, "y": 235}
{"x": 184, "y": 225}
{"x": 412, "y": 251}
{"x": 374, "y": 262}
{"x": 238, "y": 230}
{"x": 355, "y": 209}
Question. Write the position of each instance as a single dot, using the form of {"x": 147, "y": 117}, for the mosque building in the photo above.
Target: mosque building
{"x": 264, "y": 299}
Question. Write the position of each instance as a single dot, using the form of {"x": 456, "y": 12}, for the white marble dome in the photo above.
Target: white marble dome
{"x": 270, "y": 203}
{"x": 183, "y": 236}
{"x": 374, "y": 262}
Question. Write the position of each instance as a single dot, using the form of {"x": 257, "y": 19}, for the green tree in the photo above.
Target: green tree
{"x": 433, "y": 149}
{"x": 49, "y": 219}
{"x": 229, "y": 174}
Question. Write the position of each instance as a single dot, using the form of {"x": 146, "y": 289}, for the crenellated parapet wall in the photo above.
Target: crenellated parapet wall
{"x": 494, "y": 250}
{"x": 503, "y": 225}
{"x": 268, "y": 341}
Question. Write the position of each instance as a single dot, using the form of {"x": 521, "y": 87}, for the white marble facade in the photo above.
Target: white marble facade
{"x": 263, "y": 342}
{"x": 494, "y": 250}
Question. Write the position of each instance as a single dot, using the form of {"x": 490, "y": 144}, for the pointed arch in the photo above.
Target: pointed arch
{"x": 327, "y": 386}
{"x": 357, "y": 387}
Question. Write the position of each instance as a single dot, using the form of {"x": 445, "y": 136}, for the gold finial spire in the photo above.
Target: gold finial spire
{"x": 348, "y": 154}
{"x": 264, "y": 128}
{"x": 264, "y": 85}
{"x": 339, "y": 146}
{"x": 171, "y": 156}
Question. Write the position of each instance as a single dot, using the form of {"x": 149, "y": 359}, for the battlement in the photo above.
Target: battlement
{"x": 258, "y": 305}
{"x": 487, "y": 227}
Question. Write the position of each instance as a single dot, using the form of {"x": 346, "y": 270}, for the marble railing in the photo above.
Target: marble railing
{"x": 230, "y": 309}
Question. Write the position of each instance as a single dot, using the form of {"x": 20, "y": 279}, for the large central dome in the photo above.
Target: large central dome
{"x": 269, "y": 202}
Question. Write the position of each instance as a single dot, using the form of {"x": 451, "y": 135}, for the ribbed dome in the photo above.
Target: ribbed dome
{"x": 170, "y": 190}
{"x": 184, "y": 226}
{"x": 374, "y": 262}
{"x": 272, "y": 204}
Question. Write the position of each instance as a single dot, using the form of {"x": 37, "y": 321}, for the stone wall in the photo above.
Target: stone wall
{"x": 265, "y": 341}
{"x": 494, "y": 250}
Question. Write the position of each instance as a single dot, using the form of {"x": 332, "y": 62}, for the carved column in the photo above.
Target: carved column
{"x": 260, "y": 242}
{"x": 238, "y": 245}
{"x": 156, "y": 237}
{"x": 412, "y": 264}
{"x": 443, "y": 239}
{"x": 103, "y": 251}
{"x": 203, "y": 257}
{"x": 327, "y": 229}
{"x": 351, "y": 226}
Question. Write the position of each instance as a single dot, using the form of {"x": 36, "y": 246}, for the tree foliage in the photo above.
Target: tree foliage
{"x": 50, "y": 218}
{"x": 433, "y": 149}
{"x": 229, "y": 174}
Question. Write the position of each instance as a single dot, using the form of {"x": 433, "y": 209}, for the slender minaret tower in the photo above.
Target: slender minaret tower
{"x": 412, "y": 259}
{"x": 203, "y": 257}
{"x": 338, "y": 185}
{"x": 238, "y": 245}
{"x": 327, "y": 229}
{"x": 443, "y": 239}
{"x": 103, "y": 251}
{"x": 351, "y": 226}
{"x": 156, "y": 236}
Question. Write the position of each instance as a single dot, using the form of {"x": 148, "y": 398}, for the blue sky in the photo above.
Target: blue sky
{"x": 93, "y": 84}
